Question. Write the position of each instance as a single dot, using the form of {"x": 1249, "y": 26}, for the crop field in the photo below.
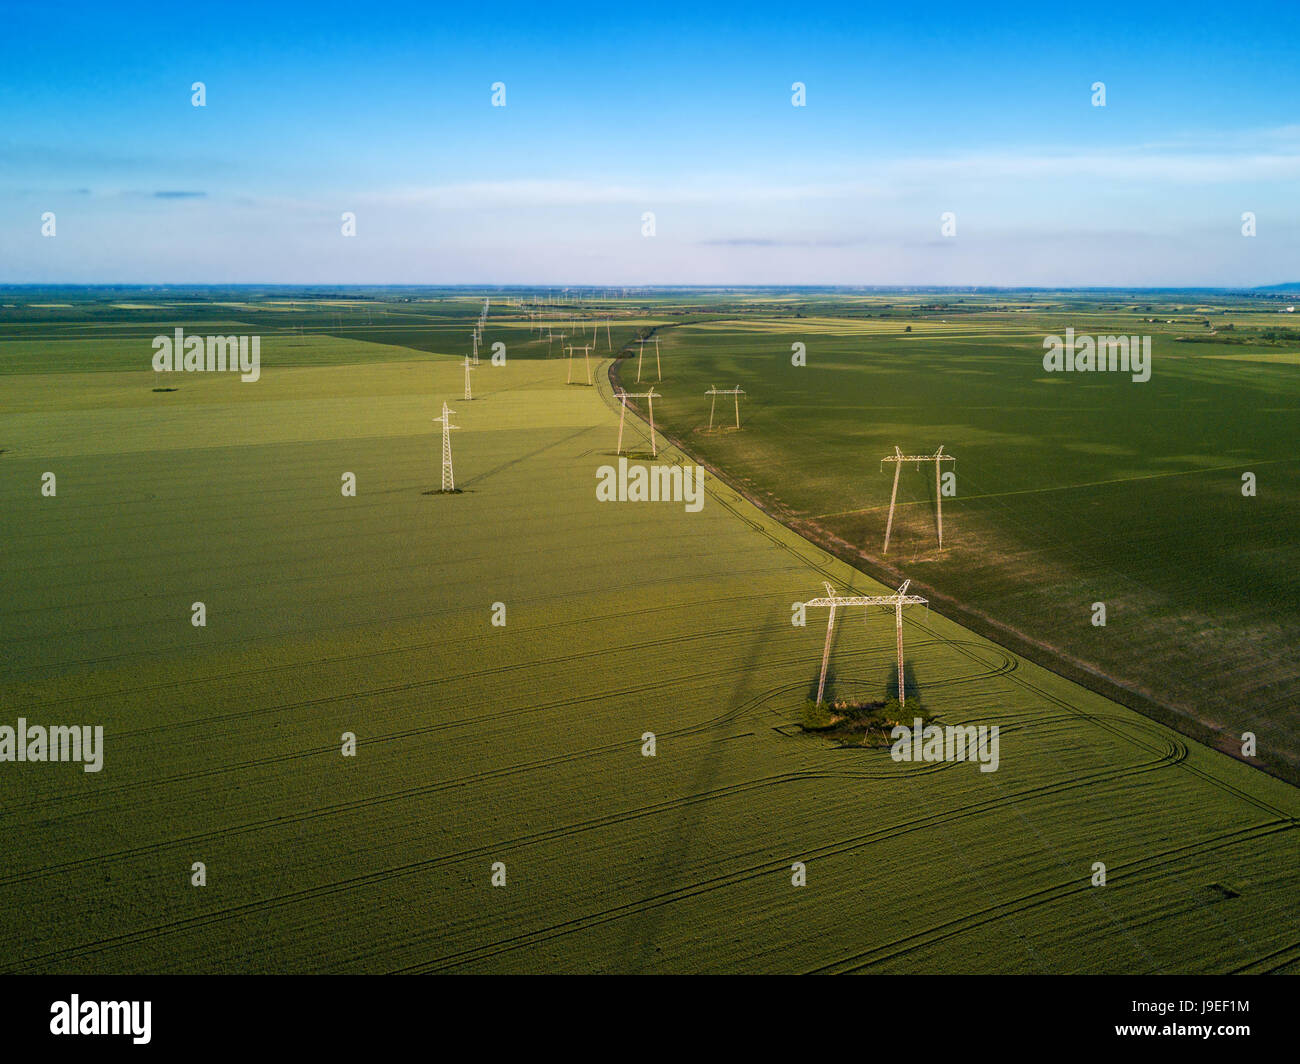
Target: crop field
{"x": 500, "y": 813}
{"x": 1070, "y": 488}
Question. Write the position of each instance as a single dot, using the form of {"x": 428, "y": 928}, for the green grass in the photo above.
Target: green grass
{"x": 522, "y": 744}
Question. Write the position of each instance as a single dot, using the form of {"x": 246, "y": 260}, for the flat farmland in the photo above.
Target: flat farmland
{"x": 1071, "y": 488}
{"x": 522, "y": 744}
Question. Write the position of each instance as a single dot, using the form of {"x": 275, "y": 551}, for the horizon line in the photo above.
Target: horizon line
{"x": 658, "y": 286}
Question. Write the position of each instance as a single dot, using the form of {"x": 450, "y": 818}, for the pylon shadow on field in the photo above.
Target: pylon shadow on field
{"x": 829, "y": 691}
{"x": 911, "y": 684}
{"x": 676, "y": 853}
{"x": 531, "y": 454}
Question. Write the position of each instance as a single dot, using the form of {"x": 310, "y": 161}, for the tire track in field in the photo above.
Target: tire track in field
{"x": 373, "y": 878}
{"x": 424, "y": 614}
{"x": 390, "y": 873}
{"x": 528, "y": 708}
{"x": 46, "y": 801}
{"x": 386, "y": 797}
{"x": 336, "y": 659}
{"x": 368, "y": 879}
{"x": 606, "y": 820}
{"x": 1282, "y": 958}
{"x": 1132, "y": 869}
{"x": 360, "y": 656}
{"x": 731, "y": 716}
{"x": 397, "y": 574}
{"x": 1007, "y": 662}
{"x": 774, "y": 867}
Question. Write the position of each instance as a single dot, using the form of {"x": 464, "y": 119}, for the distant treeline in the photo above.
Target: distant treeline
{"x": 1244, "y": 336}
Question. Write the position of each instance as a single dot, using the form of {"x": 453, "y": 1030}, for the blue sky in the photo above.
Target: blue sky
{"x": 682, "y": 110}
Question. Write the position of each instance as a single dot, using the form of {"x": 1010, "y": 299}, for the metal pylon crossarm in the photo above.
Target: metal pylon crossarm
{"x": 898, "y": 458}
{"x": 834, "y": 601}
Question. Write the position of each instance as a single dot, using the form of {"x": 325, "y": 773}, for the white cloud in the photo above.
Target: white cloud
{"x": 1126, "y": 165}
{"x": 579, "y": 192}
{"x": 1247, "y": 157}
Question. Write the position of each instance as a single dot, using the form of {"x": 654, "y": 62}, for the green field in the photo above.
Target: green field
{"x": 1071, "y": 488}
{"x": 522, "y": 744}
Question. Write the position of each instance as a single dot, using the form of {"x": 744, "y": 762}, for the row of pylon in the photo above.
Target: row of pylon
{"x": 833, "y": 600}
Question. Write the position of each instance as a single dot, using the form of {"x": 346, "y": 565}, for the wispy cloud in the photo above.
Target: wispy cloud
{"x": 713, "y": 188}
{"x": 1277, "y": 161}
{"x": 785, "y": 242}
{"x": 1139, "y": 165}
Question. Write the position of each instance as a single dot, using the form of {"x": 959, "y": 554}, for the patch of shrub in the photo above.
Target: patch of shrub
{"x": 893, "y": 713}
{"x": 815, "y": 716}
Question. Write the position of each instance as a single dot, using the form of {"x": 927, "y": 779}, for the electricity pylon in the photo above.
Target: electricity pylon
{"x": 469, "y": 394}
{"x": 586, "y": 354}
{"x": 650, "y": 398}
{"x": 898, "y": 458}
{"x": 715, "y": 392}
{"x": 658, "y": 369}
{"x": 643, "y": 341}
{"x": 898, "y": 600}
{"x": 448, "y": 476}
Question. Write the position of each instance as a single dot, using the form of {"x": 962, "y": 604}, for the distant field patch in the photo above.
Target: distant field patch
{"x": 1290, "y": 358}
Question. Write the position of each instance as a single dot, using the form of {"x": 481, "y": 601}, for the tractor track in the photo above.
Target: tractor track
{"x": 730, "y": 716}
{"x": 424, "y": 615}
{"x": 678, "y": 894}
{"x": 1049, "y": 895}
{"x": 528, "y": 709}
{"x": 778, "y": 865}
